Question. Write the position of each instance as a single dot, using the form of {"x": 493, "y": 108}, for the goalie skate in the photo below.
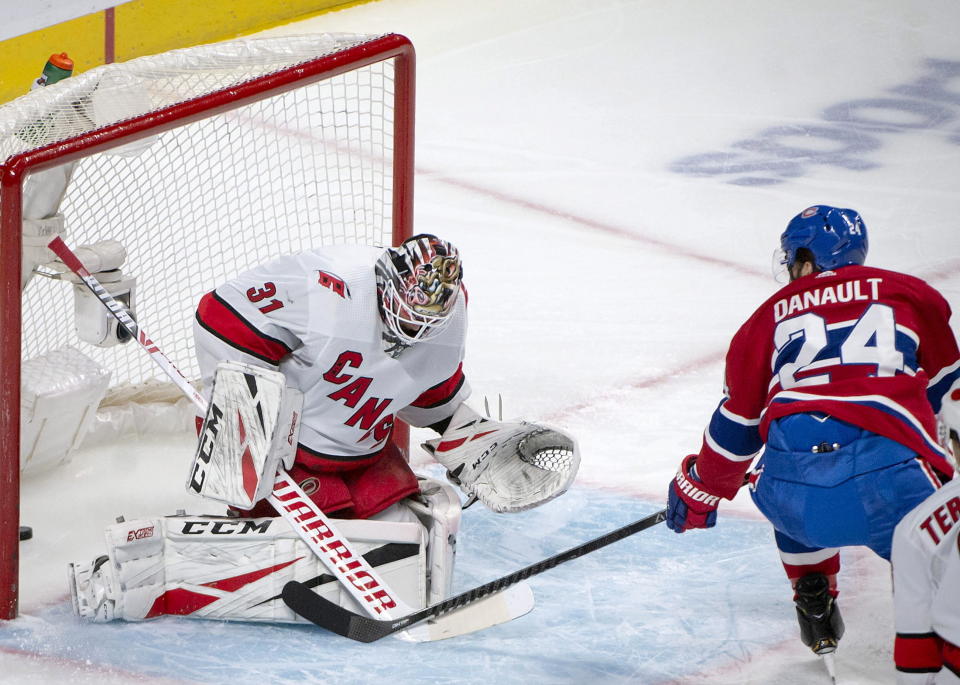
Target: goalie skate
{"x": 93, "y": 589}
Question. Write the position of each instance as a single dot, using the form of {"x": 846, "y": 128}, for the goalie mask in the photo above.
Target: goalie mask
{"x": 417, "y": 285}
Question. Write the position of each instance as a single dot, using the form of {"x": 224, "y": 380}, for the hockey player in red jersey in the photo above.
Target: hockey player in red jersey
{"x": 837, "y": 379}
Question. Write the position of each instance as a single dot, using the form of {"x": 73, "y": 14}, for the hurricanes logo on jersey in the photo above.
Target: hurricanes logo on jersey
{"x": 333, "y": 283}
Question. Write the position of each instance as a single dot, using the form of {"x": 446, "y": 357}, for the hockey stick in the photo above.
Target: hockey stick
{"x": 351, "y": 625}
{"x": 350, "y": 568}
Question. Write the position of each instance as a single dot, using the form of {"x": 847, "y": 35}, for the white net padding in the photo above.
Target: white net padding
{"x": 195, "y": 205}
{"x": 147, "y": 84}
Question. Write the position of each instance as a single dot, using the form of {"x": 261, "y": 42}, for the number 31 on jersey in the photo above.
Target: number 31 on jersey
{"x": 262, "y": 293}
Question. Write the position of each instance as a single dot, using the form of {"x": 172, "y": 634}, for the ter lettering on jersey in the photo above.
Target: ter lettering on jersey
{"x": 942, "y": 520}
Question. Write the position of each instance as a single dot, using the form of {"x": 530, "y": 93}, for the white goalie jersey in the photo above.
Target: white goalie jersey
{"x": 314, "y": 316}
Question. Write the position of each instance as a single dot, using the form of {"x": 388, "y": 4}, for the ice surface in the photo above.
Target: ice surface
{"x": 616, "y": 174}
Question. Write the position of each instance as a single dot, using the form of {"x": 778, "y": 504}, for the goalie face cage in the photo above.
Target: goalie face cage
{"x": 202, "y": 162}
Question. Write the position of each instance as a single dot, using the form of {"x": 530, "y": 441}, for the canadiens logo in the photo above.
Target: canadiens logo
{"x": 753, "y": 477}
{"x": 809, "y": 212}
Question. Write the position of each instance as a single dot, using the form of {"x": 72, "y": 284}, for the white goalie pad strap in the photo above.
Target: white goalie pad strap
{"x": 233, "y": 568}
{"x": 508, "y": 466}
{"x": 250, "y": 429}
{"x": 438, "y": 509}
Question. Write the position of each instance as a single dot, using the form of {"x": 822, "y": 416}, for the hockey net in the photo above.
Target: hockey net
{"x": 200, "y": 162}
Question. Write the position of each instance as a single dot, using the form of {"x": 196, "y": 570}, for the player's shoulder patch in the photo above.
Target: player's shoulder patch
{"x": 333, "y": 283}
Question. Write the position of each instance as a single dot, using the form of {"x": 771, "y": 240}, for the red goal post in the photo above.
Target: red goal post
{"x": 201, "y": 162}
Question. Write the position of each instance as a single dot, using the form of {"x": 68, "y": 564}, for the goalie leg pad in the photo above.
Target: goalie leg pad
{"x": 230, "y": 568}
{"x": 37, "y": 232}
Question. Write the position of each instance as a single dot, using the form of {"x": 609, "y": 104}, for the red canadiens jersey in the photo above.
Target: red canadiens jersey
{"x": 314, "y": 317}
{"x": 868, "y": 346}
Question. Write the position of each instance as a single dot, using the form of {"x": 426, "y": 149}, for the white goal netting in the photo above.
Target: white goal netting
{"x": 229, "y": 187}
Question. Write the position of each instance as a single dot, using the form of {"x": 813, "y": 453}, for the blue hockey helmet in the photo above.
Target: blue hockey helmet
{"x": 836, "y": 237}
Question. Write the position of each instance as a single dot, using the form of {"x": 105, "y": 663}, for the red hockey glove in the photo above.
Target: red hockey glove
{"x": 687, "y": 505}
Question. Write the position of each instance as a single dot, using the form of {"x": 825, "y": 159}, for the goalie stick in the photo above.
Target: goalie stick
{"x": 354, "y": 626}
{"x": 350, "y": 568}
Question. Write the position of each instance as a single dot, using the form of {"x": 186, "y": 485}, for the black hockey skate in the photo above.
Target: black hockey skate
{"x": 821, "y": 626}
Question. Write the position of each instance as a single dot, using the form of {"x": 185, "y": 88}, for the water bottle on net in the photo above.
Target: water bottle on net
{"x": 57, "y": 68}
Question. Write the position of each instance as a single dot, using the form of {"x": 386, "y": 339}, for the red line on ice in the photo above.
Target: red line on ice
{"x": 89, "y": 667}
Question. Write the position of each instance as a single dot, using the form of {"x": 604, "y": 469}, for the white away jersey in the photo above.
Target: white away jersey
{"x": 314, "y": 317}
{"x": 926, "y": 588}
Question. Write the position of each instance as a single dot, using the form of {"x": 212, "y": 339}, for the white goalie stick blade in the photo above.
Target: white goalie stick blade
{"x": 249, "y": 429}
{"x": 514, "y": 602}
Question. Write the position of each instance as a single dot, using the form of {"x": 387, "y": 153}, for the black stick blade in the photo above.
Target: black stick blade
{"x": 346, "y": 623}
{"x": 333, "y": 617}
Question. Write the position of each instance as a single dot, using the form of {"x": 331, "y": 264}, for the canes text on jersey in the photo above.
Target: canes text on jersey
{"x": 352, "y": 390}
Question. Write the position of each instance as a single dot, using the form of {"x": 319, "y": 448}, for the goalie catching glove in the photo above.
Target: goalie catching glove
{"x": 507, "y": 466}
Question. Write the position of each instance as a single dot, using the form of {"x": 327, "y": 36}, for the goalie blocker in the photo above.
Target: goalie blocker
{"x": 249, "y": 431}
{"x": 232, "y": 568}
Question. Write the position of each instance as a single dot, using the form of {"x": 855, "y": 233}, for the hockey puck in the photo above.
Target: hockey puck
{"x": 26, "y": 532}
